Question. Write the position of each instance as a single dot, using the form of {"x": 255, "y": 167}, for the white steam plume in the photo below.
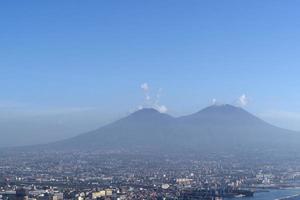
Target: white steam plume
{"x": 161, "y": 108}
{"x": 243, "y": 100}
{"x": 145, "y": 87}
{"x": 153, "y": 103}
{"x": 214, "y": 101}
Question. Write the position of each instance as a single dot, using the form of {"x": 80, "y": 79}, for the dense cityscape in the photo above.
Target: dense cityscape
{"x": 149, "y": 100}
{"x": 96, "y": 175}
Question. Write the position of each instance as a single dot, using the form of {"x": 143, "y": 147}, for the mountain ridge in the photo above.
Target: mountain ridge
{"x": 215, "y": 127}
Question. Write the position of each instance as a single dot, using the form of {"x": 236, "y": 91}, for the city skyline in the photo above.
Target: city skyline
{"x": 150, "y": 100}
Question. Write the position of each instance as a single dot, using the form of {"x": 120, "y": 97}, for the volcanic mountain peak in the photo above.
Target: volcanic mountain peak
{"x": 217, "y": 127}
{"x": 225, "y": 110}
{"x": 222, "y": 115}
{"x": 148, "y": 113}
{"x": 214, "y": 109}
{"x": 222, "y": 108}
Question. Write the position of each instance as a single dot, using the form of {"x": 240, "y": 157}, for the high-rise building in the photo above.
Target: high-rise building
{"x": 21, "y": 194}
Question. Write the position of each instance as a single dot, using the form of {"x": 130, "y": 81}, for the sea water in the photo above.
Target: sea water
{"x": 274, "y": 195}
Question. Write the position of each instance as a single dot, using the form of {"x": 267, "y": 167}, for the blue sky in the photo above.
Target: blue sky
{"x": 71, "y": 58}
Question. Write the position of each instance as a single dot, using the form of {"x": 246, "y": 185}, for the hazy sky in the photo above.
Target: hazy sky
{"x": 70, "y": 66}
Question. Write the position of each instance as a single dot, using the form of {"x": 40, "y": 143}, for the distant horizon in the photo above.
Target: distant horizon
{"x": 157, "y": 99}
{"x": 141, "y": 110}
{"x": 70, "y": 67}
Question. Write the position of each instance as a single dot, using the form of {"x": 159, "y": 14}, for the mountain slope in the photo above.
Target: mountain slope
{"x": 145, "y": 128}
{"x": 227, "y": 126}
{"x": 213, "y": 128}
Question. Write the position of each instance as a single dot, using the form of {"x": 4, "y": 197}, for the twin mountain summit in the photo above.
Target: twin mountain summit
{"x": 215, "y": 128}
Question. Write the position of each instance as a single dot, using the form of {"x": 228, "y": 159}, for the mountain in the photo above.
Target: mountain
{"x": 215, "y": 128}
{"x": 146, "y": 128}
{"x": 226, "y": 126}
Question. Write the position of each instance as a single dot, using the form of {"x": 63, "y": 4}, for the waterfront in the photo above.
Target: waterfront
{"x": 278, "y": 194}
{"x": 91, "y": 175}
